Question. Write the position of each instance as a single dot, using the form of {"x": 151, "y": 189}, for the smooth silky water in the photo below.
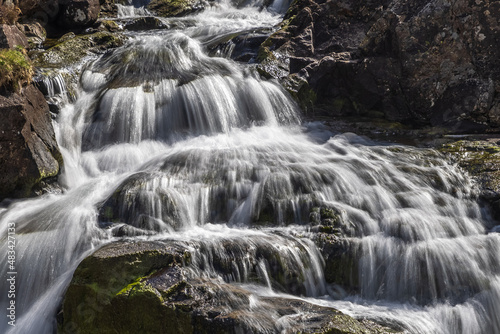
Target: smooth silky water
{"x": 201, "y": 150}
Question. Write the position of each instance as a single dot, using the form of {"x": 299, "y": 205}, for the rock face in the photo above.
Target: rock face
{"x": 423, "y": 63}
{"x": 11, "y": 36}
{"x": 146, "y": 287}
{"x": 71, "y": 48}
{"x": 78, "y": 13}
{"x": 28, "y": 149}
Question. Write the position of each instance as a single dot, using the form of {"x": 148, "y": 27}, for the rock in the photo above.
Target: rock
{"x": 16, "y": 70}
{"x": 480, "y": 158}
{"x": 34, "y": 32}
{"x": 145, "y": 23}
{"x": 9, "y": 13}
{"x": 428, "y": 63}
{"x": 146, "y": 286}
{"x": 11, "y": 36}
{"x": 241, "y": 47}
{"x": 140, "y": 203}
{"x": 78, "y": 13}
{"x": 28, "y": 149}
{"x": 341, "y": 261}
{"x": 43, "y": 10}
{"x": 73, "y": 48}
{"x": 170, "y": 8}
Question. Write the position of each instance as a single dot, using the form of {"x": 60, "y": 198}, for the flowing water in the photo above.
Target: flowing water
{"x": 172, "y": 141}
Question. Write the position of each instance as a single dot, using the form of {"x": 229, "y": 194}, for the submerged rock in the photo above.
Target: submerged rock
{"x": 132, "y": 287}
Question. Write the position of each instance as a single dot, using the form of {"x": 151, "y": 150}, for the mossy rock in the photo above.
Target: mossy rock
{"x": 147, "y": 287}
{"x": 72, "y": 49}
{"x": 174, "y": 8}
{"x": 16, "y": 70}
{"x": 481, "y": 158}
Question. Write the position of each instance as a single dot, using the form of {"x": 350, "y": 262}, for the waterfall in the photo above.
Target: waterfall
{"x": 164, "y": 142}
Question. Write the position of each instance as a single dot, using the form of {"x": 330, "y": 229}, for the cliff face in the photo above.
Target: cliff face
{"x": 419, "y": 62}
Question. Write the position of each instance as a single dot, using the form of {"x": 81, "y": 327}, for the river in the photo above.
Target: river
{"x": 202, "y": 150}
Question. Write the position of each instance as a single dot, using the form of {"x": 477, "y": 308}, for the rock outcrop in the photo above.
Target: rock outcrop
{"x": 28, "y": 149}
{"x": 11, "y": 36}
{"x": 422, "y": 63}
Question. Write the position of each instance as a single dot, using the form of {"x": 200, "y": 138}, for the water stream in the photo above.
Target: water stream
{"x": 198, "y": 149}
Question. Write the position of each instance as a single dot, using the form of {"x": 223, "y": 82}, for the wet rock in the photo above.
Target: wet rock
{"x": 481, "y": 159}
{"x": 243, "y": 47}
{"x": 71, "y": 49}
{"x": 146, "y": 287}
{"x": 175, "y": 8}
{"x": 341, "y": 261}
{"x": 11, "y": 36}
{"x": 78, "y": 13}
{"x": 424, "y": 63}
{"x": 140, "y": 202}
{"x": 28, "y": 147}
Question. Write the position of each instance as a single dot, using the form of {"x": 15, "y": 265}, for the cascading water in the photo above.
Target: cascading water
{"x": 165, "y": 142}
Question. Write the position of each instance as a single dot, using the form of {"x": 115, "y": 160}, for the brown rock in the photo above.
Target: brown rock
{"x": 28, "y": 149}
{"x": 11, "y": 36}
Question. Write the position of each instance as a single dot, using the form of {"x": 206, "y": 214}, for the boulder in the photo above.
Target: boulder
{"x": 170, "y": 8}
{"x": 71, "y": 48}
{"x": 427, "y": 63}
{"x": 11, "y": 36}
{"x": 147, "y": 287}
{"x": 78, "y": 13}
{"x": 34, "y": 32}
{"x": 28, "y": 149}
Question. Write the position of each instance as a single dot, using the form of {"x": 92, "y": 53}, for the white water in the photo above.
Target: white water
{"x": 204, "y": 152}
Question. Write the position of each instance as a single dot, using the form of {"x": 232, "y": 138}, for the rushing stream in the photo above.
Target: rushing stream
{"x": 198, "y": 149}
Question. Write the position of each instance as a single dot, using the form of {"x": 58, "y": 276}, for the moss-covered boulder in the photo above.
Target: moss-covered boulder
{"x": 147, "y": 287}
{"x": 16, "y": 69}
{"x": 71, "y": 49}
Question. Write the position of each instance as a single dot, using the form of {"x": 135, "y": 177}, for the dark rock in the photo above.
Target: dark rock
{"x": 243, "y": 47}
{"x": 43, "y": 10}
{"x": 28, "y": 147}
{"x": 424, "y": 63}
{"x": 11, "y": 36}
{"x": 78, "y": 13}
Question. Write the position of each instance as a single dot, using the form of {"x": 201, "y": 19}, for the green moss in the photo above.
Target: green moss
{"x": 15, "y": 69}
